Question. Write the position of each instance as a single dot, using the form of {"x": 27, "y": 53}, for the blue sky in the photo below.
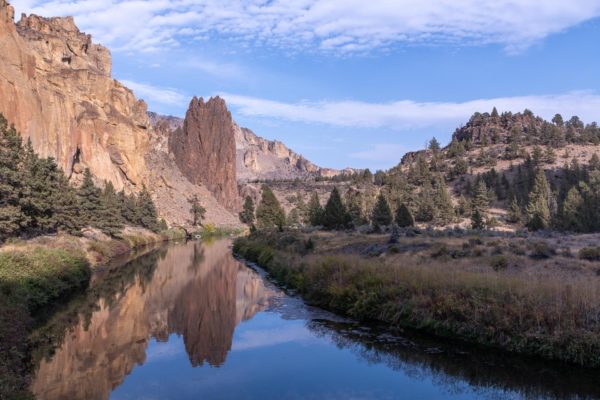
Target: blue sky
{"x": 349, "y": 82}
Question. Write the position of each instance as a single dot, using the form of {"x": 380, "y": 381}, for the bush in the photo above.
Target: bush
{"x": 541, "y": 250}
{"x": 590, "y": 253}
{"x": 499, "y": 262}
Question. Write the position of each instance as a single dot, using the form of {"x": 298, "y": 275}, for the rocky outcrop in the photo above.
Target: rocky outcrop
{"x": 261, "y": 159}
{"x": 56, "y": 87}
{"x": 204, "y": 149}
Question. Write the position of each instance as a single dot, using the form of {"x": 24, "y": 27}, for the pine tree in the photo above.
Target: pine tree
{"x": 514, "y": 211}
{"x": 354, "y": 203}
{"x": 128, "y": 208}
{"x": 538, "y": 212}
{"x": 434, "y": 145}
{"x": 481, "y": 199}
{"x": 382, "y": 214}
{"x": 315, "y": 211}
{"x": 196, "y": 210}
{"x": 477, "y": 221}
{"x": 12, "y": 218}
{"x": 404, "y": 218}
{"x": 494, "y": 113}
{"x": 247, "y": 214}
{"x": 425, "y": 207}
{"x": 147, "y": 210}
{"x": 571, "y": 217}
{"x": 67, "y": 209}
{"x": 269, "y": 213}
{"x": 335, "y": 215}
{"x": 92, "y": 206}
{"x": 594, "y": 164}
{"x": 444, "y": 209}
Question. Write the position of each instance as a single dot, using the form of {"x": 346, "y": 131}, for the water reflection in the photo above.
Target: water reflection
{"x": 195, "y": 290}
{"x": 179, "y": 308}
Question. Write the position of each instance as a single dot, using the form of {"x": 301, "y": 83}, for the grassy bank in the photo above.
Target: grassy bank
{"x": 30, "y": 280}
{"x": 511, "y": 293}
{"x": 37, "y": 273}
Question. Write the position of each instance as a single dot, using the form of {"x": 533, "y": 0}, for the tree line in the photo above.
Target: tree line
{"x": 36, "y": 197}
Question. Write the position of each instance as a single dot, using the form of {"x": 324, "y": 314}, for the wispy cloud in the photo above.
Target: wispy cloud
{"x": 338, "y": 26}
{"x": 154, "y": 94}
{"x": 406, "y": 114}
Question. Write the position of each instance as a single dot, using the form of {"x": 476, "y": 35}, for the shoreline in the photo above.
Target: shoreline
{"x": 495, "y": 306}
{"x": 41, "y": 273}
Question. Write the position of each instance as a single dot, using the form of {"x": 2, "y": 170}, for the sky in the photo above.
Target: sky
{"x": 351, "y": 82}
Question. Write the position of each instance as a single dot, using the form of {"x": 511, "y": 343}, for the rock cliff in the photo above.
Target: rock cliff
{"x": 204, "y": 149}
{"x": 56, "y": 87}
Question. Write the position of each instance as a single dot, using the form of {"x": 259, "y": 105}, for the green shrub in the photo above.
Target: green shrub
{"x": 590, "y": 253}
{"x": 499, "y": 262}
{"x": 541, "y": 250}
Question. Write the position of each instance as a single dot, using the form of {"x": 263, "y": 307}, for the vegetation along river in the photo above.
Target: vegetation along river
{"x": 189, "y": 321}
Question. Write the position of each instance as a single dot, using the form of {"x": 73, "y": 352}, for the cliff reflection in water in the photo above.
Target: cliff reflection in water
{"x": 196, "y": 290}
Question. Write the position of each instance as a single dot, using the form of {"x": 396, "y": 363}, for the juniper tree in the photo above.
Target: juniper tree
{"x": 196, "y": 210}
{"x": 382, "y": 214}
{"x": 147, "y": 210}
{"x": 571, "y": 215}
{"x": 538, "y": 212}
{"x": 443, "y": 207}
{"x": 269, "y": 213}
{"x": 315, "y": 210}
{"x": 404, "y": 218}
{"x": 335, "y": 215}
{"x": 477, "y": 221}
{"x": 514, "y": 211}
{"x": 247, "y": 213}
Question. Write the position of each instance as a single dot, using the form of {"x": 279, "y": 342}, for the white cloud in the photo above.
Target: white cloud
{"x": 156, "y": 94}
{"x": 405, "y": 114}
{"x": 339, "y": 26}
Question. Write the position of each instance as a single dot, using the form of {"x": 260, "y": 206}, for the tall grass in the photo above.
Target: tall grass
{"x": 30, "y": 279}
{"x": 552, "y": 317}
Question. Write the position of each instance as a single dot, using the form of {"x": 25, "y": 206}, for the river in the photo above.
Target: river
{"x": 189, "y": 321}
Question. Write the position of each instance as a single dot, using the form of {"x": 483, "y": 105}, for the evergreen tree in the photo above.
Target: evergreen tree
{"x": 425, "y": 206}
{"x": 269, "y": 213}
{"x": 315, "y": 211}
{"x": 196, "y": 210}
{"x": 514, "y": 211}
{"x": 494, "y": 113}
{"x": 92, "y": 206}
{"x": 444, "y": 209}
{"x": 594, "y": 164}
{"x": 434, "y": 145}
{"x": 335, "y": 215}
{"x": 481, "y": 199}
{"x": 382, "y": 214}
{"x": 354, "y": 202}
{"x": 538, "y": 212}
{"x": 147, "y": 210}
{"x": 571, "y": 217}
{"x": 12, "y": 217}
{"x": 404, "y": 218}
{"x": 67, "y": 209}
{"x": 128, "y": 207}
{"x": 247, "y": 214}
{"x": 477, "y": 221}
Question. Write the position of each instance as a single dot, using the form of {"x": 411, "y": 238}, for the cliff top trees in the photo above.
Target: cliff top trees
{"x": 269, "y": 213}
{"x": 335, "y": 215}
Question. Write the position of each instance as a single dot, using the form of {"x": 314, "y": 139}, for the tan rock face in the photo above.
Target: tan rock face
{"x": 204, "y": 149}
{"x": 57, "y": 90}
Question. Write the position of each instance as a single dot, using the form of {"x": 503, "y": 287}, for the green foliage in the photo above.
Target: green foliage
{"x": 382, "y": 214}
{"x": 590, "y": 253}
{"x": 434, "y": 145}
{"x": 269, "y": 213}
{"x": 335, "y": 215}
{"x": 404, "y": 218}
{"x": 148, "y": 217}
{"x": 247, "y": 213}
{"x": 315, "y": 210}
{"x": 197, "y": 211}
{"x": 538, "y": 212}
{"x": 477, "y": 221}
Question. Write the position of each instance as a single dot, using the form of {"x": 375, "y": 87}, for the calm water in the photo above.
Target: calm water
{"x": 190, "y": 322}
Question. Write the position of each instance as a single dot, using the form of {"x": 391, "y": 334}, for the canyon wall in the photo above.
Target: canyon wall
{"x": 56, "y": 87}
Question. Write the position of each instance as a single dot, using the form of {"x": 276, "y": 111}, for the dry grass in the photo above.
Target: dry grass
{"x": 474, "y": 289}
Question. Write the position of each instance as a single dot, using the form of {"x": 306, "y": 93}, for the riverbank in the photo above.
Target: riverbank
{"x": 39, "y": 272}
{"x": 535, "y": 296}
